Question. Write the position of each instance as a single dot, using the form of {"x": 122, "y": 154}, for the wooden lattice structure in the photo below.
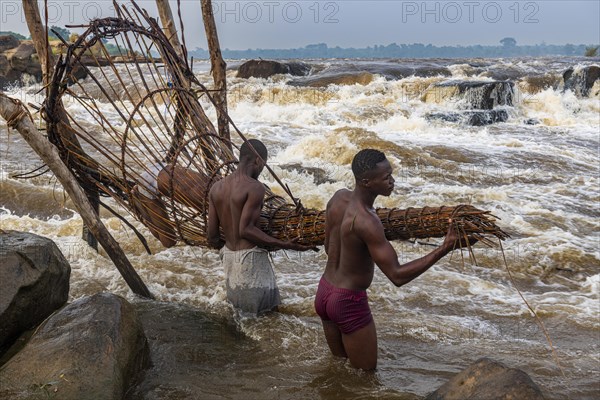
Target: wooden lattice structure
{"x": 147, "y": 113}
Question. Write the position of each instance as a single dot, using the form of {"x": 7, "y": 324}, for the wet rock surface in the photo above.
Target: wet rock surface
{"x": 487, "y": 379}
{"x": 268, "y": 68}
{"x": 94, "y": 348}
{"x": 581, "y": 81}
{"x": 472, "y": 118}
{"x": 34, "y": 282}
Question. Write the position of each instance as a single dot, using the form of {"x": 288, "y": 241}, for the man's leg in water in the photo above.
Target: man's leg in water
{"x": 334, "y": 339}
{"x": 361, "y": 347}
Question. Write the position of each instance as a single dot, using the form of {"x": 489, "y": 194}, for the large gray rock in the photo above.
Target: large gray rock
{"x": 94, "y": 348}
{"x": 21, "y": 59}
{"x": 8, "y": 42}
{"x": 395, "y": 71}
{"x": 319, "y": 175}
{"x": 471, "y": 117}
{"x": 16, "y": 61}
{"x": 582, "y": 80}
{"x": 335, "y": 78}
{"x": 268, "y": 68}
{"x": 34, "y": 282}
{"x": 475, "y": 95}
{"x": 488, "y": 380}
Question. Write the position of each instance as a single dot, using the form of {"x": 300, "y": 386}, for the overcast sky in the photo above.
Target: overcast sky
{"x": 354, "y": 23}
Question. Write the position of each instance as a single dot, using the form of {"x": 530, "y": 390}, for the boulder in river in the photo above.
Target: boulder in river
{"x": 338, "y": 78}
{"x": 581, "y": 81}
{"x": 8, "y": 42}
{"x": 19, "y": 60}
{"x": 319, "y": 175}
{"x": 23, "y": 59}
{"x": 478, "y": 95}
{"x": 268, "y": 68}
{"x": 94, "y": 348}
{"x": 472, "y": 117}
{"x": 34, "y": 282}
{"x": 487, "y": 379}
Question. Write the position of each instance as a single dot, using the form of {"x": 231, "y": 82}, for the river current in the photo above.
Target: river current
{"x": 538, "y": 172}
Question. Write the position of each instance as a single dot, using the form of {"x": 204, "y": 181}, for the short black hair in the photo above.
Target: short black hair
{"x": 365, "y": 161}
{"x": 247, "y": 153}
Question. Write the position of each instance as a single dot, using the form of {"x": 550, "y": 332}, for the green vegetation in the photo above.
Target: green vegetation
{"x": 15, "y": 34}
{"x": 591, "y": 51}
{"x": 508, "y": 48}
{"x": 63, "y": 32}
{"x": 508, "y": 42}
{"x": 113, "y": 50}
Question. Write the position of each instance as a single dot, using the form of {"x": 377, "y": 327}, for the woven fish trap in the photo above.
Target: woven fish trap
{"x": 285, "y": 222}
{"x": 152, "y": 111}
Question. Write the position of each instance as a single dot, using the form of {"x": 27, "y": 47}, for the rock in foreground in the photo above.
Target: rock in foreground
{"x": 488, "y": 380}
{"x": 34, "y": 282}
{"x": 94, "y": 348}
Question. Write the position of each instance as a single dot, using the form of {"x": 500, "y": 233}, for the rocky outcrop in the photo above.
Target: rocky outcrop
{"x": 17, "y": 61}
{"x": 34, "y": 282}
{"x": 339, "y": 78}
{"x": 8, "y": 42}
{"x": 400, "y": 72}
{"x": 22, "y": 59}
{"x": 268, "y": 68}
{"x": 536, "y": 83}
{"x": 472, "y": 118}
{"x": 319, "y": 175}
{"x": 488, "y": 380}
{"x": 94, "y": 348}
{"x": 581, "y": 81}
{"x": 478, "y": 95}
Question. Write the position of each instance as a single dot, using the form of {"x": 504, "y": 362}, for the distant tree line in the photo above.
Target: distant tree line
{"x": 65, "y": 34}
{"x": 509, "y": 48}
{"x": 15, "y": 34}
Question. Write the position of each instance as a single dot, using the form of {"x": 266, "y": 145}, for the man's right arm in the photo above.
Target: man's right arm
{"x": 386, "y": 258}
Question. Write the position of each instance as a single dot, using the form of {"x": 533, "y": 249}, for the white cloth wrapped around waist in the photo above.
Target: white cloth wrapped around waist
{"x": 249, "y": 279}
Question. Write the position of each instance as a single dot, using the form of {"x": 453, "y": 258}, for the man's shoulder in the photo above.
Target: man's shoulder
{"x": 367, "y": 223}
{"x": 246, "y": 187}
{"x": 255, "y": 186}
{"x": 215, "y": 187}
{"x": 339, "y": 197}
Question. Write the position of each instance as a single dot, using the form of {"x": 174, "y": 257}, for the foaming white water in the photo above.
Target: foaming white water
{"x": 541, "y": 180}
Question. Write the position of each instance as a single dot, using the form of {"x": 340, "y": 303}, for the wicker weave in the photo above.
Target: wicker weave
{"x": 148, "y": 112}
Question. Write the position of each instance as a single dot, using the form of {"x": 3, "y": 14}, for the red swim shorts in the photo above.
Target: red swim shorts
{"x": 348, "y": 309}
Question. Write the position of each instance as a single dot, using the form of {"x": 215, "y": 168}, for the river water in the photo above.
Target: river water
{"x": 540, "y": 179}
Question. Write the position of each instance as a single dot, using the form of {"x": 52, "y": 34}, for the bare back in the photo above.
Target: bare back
{"x": 231, "y": 197}
{"x": 349, "y": 263}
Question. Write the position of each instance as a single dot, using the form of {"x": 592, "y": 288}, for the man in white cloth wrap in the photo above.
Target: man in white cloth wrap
{"x": 235, "y": 203}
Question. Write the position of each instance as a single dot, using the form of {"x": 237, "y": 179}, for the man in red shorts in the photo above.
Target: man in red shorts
{"x": 354, "y": 242}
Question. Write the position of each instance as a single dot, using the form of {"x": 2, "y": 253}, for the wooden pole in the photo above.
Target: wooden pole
{"x": 168, "y": 24}
{"x": 39, "y": 37}
{"x": 218, "y": 69}
{"x": 17, "y": 117}
{"x": 42, "y": 48}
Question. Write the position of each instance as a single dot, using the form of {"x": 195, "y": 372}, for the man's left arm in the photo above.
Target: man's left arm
{"x": 249, "y": 229}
